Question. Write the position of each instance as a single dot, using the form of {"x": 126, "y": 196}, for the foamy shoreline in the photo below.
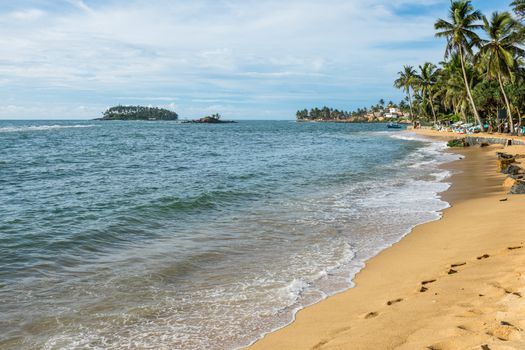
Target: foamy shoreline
{"x": 440, "y": 178}
{"x": 389, "y": 309}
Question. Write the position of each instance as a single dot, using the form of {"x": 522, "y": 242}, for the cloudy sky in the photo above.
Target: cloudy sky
{"x": 246, "y": 59}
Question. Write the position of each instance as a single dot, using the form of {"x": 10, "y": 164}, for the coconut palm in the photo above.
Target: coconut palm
{"x": 497, "y": 55}
{"x": 451, "y": 88}
{"x": 406, "y": 82}
{"x": 518, "y": 6}
{"x": 426, "y": 82}
{"x": 460, "y": 32}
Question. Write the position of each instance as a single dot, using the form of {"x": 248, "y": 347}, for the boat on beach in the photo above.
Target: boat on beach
{"x": 394, "y": 126}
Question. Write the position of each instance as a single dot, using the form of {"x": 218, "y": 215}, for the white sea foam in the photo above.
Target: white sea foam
{"x": 43, "y": 127}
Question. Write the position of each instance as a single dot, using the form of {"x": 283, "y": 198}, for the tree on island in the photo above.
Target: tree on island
{"x": 138, "y": 113}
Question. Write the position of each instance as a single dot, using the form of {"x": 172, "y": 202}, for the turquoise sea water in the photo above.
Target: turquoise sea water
{"x": 158, "y": 235}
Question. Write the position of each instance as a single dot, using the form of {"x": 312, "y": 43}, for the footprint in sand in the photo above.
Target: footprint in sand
{"x": 452, "y": 271}
{"x": 424, "y": 283}
{"x": 395, "y": 301}
{"x": 513, "y": 293}
{"x": 484, "y": 256}
{"x": 458, "y": 264}
{"x": 485, "y": 347}
{"x": 371, "y": 315}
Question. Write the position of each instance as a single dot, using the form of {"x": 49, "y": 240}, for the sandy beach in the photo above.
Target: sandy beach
{"x": 455, "y": 283}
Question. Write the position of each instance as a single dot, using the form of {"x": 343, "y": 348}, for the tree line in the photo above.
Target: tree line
{"x": 138, "y": 113}
{"x": 482, "y": 76}
{"x": 326, "y": 113}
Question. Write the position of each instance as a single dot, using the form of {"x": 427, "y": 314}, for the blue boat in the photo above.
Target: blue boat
{"x": 394, "y": 126}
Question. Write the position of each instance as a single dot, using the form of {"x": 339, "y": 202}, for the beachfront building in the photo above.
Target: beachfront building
{"x": 393, "y": 112}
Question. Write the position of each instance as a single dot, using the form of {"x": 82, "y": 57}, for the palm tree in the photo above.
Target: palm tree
{"x": 426, "y": 82}
{"x": 451, "y": 88}
{"x": 519, "y": 8}
{"x": 461, "y": 37}
{"x": 406, "y": 81}
{"x": 497, "y": 55}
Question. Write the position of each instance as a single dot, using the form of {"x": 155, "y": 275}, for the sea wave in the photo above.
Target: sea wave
{"x": 43, "y": 127}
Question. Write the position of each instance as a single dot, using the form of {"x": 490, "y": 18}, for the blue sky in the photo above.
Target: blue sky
{"x": 71, "y": 59}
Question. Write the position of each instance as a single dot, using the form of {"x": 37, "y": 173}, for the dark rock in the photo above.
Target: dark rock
{"x": 512, "y": 169}
{"x": 518, "y": 188}
{"x": 484, "y": 144}
{"x": 502, "y": 155}
{"x": 458, "y": 143}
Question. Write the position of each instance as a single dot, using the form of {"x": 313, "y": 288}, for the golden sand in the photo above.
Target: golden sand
{"x": 455, "y": 283}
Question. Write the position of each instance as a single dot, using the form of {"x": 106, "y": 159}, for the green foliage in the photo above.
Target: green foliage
{"x": 138, "y": 113}
{"x": 487, "y": 96}
{"x": 483, "y": 71}
{"x": 518, "y": 6}
{"x": 325, "y": 113}
{"x": 457, "y": 143}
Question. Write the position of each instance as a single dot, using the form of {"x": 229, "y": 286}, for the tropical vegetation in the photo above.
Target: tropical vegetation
{"x": 375, "y": 113}
{"x": 482, "y": 77}
{"x": 138, "y": 113}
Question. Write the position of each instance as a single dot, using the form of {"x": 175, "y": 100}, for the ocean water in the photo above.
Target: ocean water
{"x": 158, "y": 235}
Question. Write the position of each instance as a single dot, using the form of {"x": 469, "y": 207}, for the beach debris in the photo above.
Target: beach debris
{"x": 458, "y": 143}
{"x": 514, "y": 248}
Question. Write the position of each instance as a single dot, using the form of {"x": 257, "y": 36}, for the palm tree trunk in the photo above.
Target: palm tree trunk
{"x": 432, "y": 108}
{"x": 465, "y": 79}
{"x": 410, "y": 104}
{"x": 509, "y": 112}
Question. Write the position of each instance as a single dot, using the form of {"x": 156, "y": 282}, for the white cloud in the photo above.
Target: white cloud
{"x": 27, "y": 15}
{"x": 233, "y": 50}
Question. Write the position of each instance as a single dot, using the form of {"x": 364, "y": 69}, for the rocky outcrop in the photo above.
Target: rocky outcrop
{"x": 504, "y": 160}
{"x": 458, "y": 143}
{"x": 518, "y": 187}
{"x": 515, "y": 182}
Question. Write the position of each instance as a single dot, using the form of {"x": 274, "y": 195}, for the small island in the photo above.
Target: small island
{"x": 210, "y": 119}
{"x": 138, "y": 113}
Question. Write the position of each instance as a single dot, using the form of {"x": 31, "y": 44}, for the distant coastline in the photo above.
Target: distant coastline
{"x": 391, "y": 113}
